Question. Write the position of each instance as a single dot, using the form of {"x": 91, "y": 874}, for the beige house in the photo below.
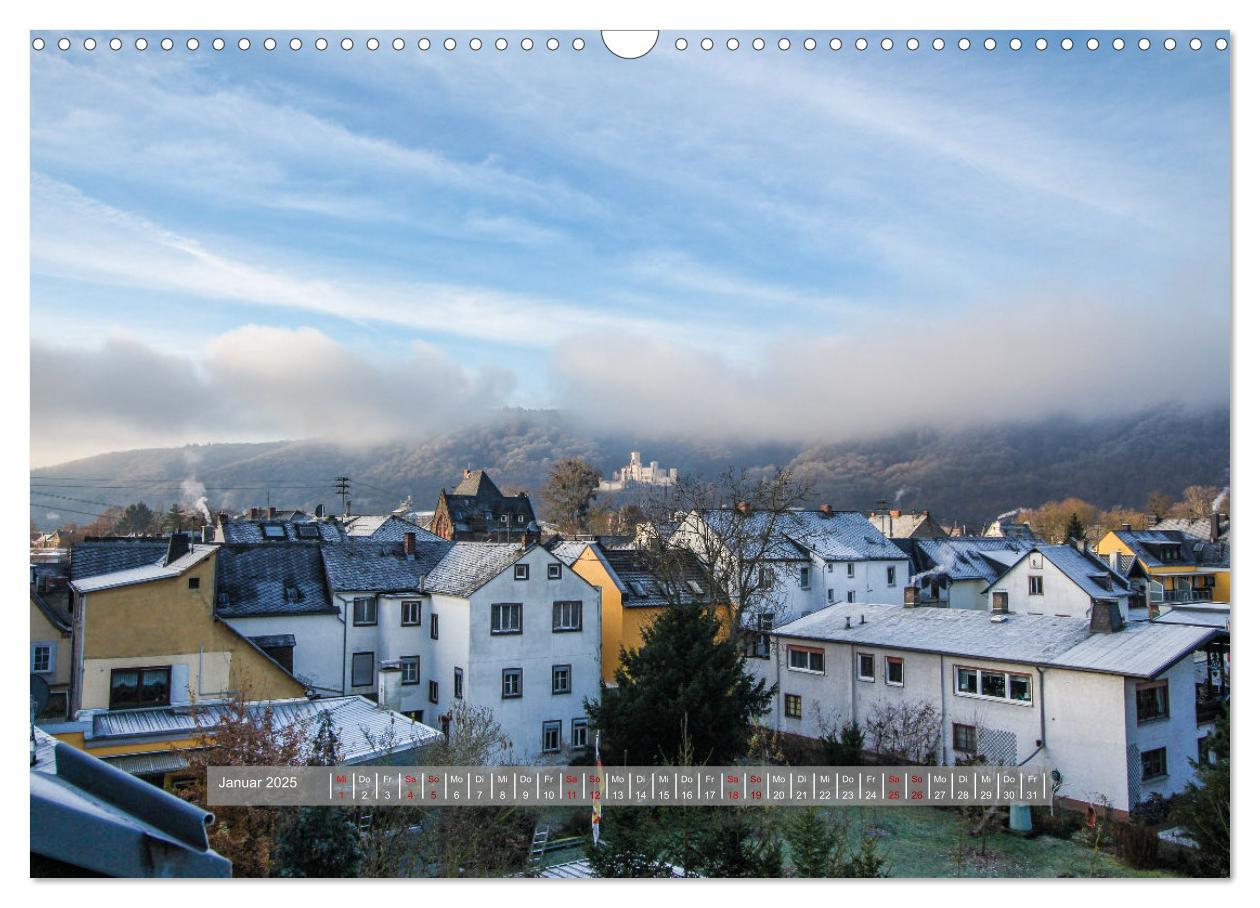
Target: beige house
{"x": 50, "y": 654}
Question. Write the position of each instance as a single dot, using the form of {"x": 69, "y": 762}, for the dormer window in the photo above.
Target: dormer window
{"x": 273, "y": 531}
{"x": 308, "y": 531}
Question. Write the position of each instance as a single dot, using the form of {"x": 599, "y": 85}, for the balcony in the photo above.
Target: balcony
{"x": 1206, "y": 711}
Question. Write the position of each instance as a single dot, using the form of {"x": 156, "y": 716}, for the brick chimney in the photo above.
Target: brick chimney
{"x": 253, "y": 513}
{"x": 467, "y": 473}
{"x": 409, "y": 544}
{"x": 743, "y": 507}
{"x": 1105, "y": 617}
{"x": 271, "y": 512}
{"x": 894, "y": 513}
{"x": 1001, "y": 602}
{"x": 1214, "y": 532}
{"x": 826, "y": 510}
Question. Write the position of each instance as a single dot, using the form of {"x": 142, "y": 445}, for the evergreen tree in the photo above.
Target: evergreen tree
{"x": 686, "y": 679}
{"x": 866, "y": 863}
{"x": 318, "y": 842}
{"x": 1203, "y": 809}
{"x": 630, "y": 845}
{"x": 732, "y": 843}
{"x": 811, "y": 843}
{"x": 1074, "y": 531}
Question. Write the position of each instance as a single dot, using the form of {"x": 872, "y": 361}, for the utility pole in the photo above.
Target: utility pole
{"x": 342, "y": 486}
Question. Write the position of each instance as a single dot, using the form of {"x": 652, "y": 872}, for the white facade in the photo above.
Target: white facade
{"x": 1082, "y": 723}
{"x": 1059, "y": 594}
{"x": 652, "y": 474}
{"x": 319, "y": 641}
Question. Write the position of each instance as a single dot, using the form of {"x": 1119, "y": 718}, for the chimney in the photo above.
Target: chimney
{"x": 177, "y": 548}
{"x": 409, "y": 545}
{"x": 911, "y": 596}
{"x": 223, "y": 518}
{"x": 1126, "y": 527}
{"x": 1152, "y": 610}
{"x": 271, "y": 512}
{"x": 1214, "y": 533}
{"x": 319, "y": 511}
{"x": 894, "y": 513}
{"x": 389, "y": 685}
{"x": 825, "y": 510}
{"x": 467, "y": 473}
{"x": 253, "y": 513}
{"x": 1001, "y": 602}
{"x": 1151, "y": 520}
{"x": 743, "y": 507}
{"x": 207, "y": 533}
{"x": 1105, "y": 617}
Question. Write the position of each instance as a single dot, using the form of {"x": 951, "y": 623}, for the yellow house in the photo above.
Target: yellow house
{"x": 148, "y": 638}
{"x": 631, "y": 595}
{"x": 1172, "y": 566}
{"x": 50, "y": 650}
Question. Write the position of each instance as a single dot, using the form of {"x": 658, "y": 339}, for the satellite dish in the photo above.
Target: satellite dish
{"x": 39, "y": 694}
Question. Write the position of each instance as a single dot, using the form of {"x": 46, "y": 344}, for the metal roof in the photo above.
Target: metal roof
{"x": 359, "y": 723}
{"x": 1141, "y": 649}
{"x": 150, "y": 764}
{"x": 145, "y": 574}
{"x": 962, "y": 558}
{"x": 1216, "y": 616}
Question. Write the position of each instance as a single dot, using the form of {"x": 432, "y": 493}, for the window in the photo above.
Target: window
{"x": 566, "y": 616}
{"x": 561, "y": 679}
{"x": 894, "y": 671}
{"x": 520, "y": 572}
{"x": 273, "y": 531}
{"x": 459, "y": 684}
{"x": 307, "y": 531}
{"x": 891, "y": 573}
{"x": 866, "y": 667}
{"x": 362, "y": 669}
{"x": 511, "y": 683}
{"x": 1152, "y": 701}
{"x": 805, "y": 659}
{"x": 1035, "y": 587}
{"x": 849, "y": 596}
{"x": 194, "y": 583}
{"x": 433, "y": 691}
{"x": 133, "y": 688}
{"x": 520, "y": 518}
{"x": 994, "y": 685}
{"x": 965, "y": 739}
{"x": 1154, "y": 763}
{"x": 1206, "y": 755}
{"x": 551, "y": 737}
{"x": 410, "y": 612}
{"x": 554, "y": 571}
{"x": 505, "y": 618}
{"x": 831, "y": 596}
{"x": 410, "y": 669}
{"x": 792, "y": 706}
{"x": 433, "y": 625}
{"x": 758, "y": 641}
{"x": 364, "y": 612}
{"x": 579, "y": 732}
{"x": 849, "y": 569}
{"x": 830, "y": 567}
{"x": 765, "y": 577}
{"x": 41, "y": 657}
{"x": 805, "y": 578}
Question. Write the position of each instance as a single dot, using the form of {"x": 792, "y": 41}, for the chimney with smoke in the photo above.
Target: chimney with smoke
{"x": 1214, "y": 531}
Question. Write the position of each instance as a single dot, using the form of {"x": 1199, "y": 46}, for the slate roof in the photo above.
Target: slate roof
{"x": 1199, "y": 615}
{"x": 357, "y": 720}
{"x": 1087, "y": 571}
{"x": 243, "y": 529}
{"x": 275, "y": 578}
{"x": 53, "y": 610}
{"x": 380, "y": 566}
{"x": 144, "y": 573}
{"x": 962, "y": 558}
{"x": 1199, "y": 527}
{"x": 106, "y": 555}
{"x": 643, "y": 588}
{"x": 1140, "y": 649}
{"x": 468, "y": 566}
{"x": 477, "y": 496}
{"x": 568, "y": 550}
{"x": 1148, "y": 546}
{"x": 840, "y": 536}
{"x": 386, "y": 528}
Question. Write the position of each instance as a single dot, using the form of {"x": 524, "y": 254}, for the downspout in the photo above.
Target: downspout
{"x": 341, "y": 616}
{"x": 1041, "y": 696}
{"x": 941, "y": 656}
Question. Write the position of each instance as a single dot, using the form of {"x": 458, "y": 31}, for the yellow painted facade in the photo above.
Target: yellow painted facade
{"x": 1193, "y": 575}
{"x": 44, "y": 630}
{"x": 170, "y": 621}
{"x": 621, "y": 626}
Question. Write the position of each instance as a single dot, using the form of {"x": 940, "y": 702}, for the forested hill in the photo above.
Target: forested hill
{"x": 965, "y": 475}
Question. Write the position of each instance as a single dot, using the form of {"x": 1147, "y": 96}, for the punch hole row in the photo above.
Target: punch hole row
{"x": 578, "y": 44}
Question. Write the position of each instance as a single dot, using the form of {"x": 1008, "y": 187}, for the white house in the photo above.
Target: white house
{"x": 810, "y": 559}
{"x": 954, "y": 572}
{"x": 1059, "y": 580}
{"x": 1112, "y": 706}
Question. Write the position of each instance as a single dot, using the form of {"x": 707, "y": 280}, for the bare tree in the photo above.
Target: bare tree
{"x": 905, "y": 732}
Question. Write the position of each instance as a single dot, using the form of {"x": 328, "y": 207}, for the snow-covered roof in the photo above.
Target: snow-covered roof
{"x": 145, "y": 573}
{"x": 468, "y": 566}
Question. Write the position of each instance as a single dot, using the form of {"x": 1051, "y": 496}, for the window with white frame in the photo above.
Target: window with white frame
{"x": 992, "y": 684}
{"x": 554, "y": 571}
{"x": 566, "y": 616}
{"x": 551, "y": 736}
{"x": 866, "y": 666}
{"x": 579, "y": 732}
{"x": 410, "y": 612}
{"x": 561, "y": 679}
{"x": 792, "y": 707}
{"x": 42, "y": 657}
{"x": 805, "y": 659}
{"x": 511, "y": 683}
{"x": 1036, "y": 585}
{"x": 364, "y": 611}
{"x": 894, "y": 671}
{"x": 410, "y": 669}
{"x": 505, "y": 618}
{"x": 520, "y": 572}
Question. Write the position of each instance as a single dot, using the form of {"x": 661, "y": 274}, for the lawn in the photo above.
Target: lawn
{"x": 933, "y": 842}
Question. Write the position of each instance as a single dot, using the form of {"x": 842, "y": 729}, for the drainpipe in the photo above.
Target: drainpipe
{"x": 944, "y": 724}
{"x": 341, "y": 616}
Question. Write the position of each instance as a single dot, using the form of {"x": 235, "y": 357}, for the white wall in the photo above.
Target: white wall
{"x": 1178, "y": 734}
{"x": 1061, "y": 595}
{"x": 317, "y": 645}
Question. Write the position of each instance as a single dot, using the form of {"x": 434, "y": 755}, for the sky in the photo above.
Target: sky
{"x": 796, "y": 245}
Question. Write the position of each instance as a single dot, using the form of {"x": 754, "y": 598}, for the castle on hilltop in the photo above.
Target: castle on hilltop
{"x": 635, "y": 473}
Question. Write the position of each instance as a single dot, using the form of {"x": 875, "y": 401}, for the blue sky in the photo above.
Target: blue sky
{"x": 246, "y": 245}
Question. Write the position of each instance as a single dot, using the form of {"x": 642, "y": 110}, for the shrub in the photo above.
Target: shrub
{"x": 1137, "y": 845}
{"x": 1155, "y": 810}
{"x": 1062, "y": 824}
